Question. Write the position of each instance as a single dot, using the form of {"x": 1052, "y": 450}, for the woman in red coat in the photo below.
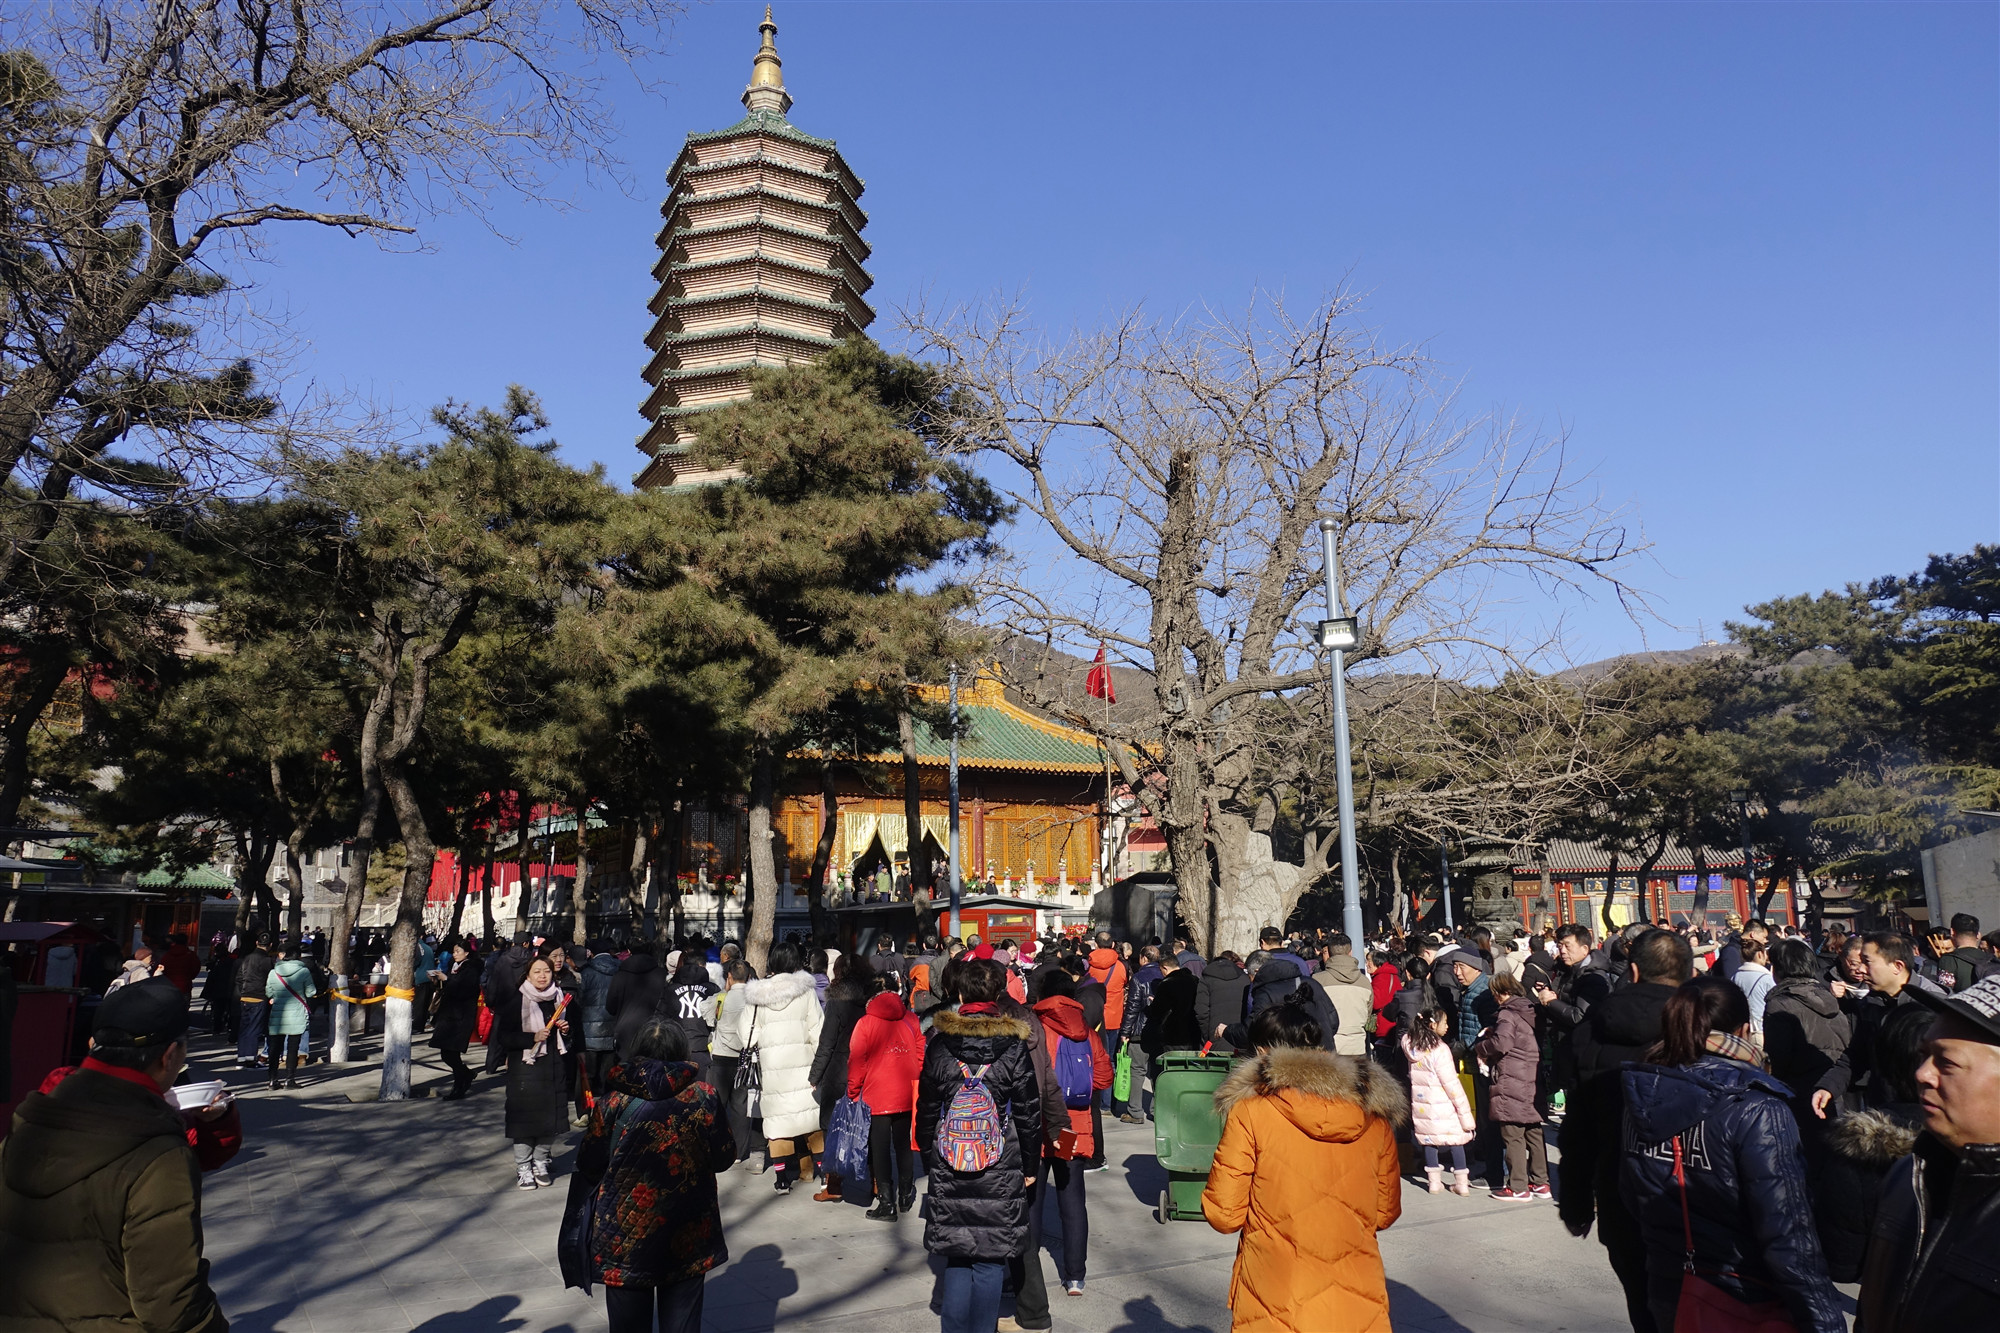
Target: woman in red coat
{"x": 884, "y": 1058}
{"x": 1386, "y": 981}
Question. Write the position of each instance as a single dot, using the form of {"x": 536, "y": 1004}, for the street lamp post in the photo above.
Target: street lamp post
{"x": 1337, "y": 633}
{"x": 1742, "y": 801}
{"x": 952, "y": 788}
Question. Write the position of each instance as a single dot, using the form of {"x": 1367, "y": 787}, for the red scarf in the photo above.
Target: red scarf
{"x": 136, "y": 1077}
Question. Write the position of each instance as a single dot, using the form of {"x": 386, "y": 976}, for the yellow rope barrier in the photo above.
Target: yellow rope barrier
{"x": 397, "y": 991}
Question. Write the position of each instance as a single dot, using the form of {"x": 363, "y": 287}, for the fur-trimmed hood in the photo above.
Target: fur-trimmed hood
{"x": 780, "y": 990}
{"x": 1878, "y": 1137}
{"x": 1319, "y": 1092}
{"x": 954, "y": 1024}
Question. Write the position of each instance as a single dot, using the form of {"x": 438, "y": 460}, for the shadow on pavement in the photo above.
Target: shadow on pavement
{"x": 1144, "y": 1315}
{"x": 490, "y": 1314}
{"x": 1420, "y": 1314}
{"x": 1146, "y": 1178}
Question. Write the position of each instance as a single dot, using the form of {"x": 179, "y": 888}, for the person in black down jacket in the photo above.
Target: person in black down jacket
{"x": 1219, "y": 1000}
{"x": 457, "y": 1017}
{"x": 1171, "y": 1024}
{"x": 594, "y": 1020}
{"x": 1859, "y": 1149}
{"x": 1930, "y": 1264}
{"x": 853, "y": 985}
{"x": 634, "y": 998}
{"x": 1710, "y": 1141}
{"x": 1622, "y": 1026}
{"x": 1805, "y": 1031}
{"x": 1279, "y": 981}
{"x": 501, "y": 982}
{"x": 978, "y": 1220}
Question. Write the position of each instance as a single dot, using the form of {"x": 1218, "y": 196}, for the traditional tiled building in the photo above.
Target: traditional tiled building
{"x": 1031, "y": 807}
{"x": 761, "y": 265}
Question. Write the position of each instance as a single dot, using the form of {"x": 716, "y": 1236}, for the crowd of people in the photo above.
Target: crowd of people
{"x": 1743, "y": 1118}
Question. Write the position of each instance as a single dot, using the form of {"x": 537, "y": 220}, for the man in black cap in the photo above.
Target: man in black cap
{"x": 1937, "y": 1227}
{"x": 100, "y": 1169}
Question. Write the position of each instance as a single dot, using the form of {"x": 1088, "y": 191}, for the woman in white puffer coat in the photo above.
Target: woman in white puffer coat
{"x": 780, "y": 1020}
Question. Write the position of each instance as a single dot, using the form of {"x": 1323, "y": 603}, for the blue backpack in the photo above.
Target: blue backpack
{"x": 1074, "y": 1074}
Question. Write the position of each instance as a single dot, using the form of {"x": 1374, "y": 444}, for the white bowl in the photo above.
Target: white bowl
{"x": 194, "y": 1096}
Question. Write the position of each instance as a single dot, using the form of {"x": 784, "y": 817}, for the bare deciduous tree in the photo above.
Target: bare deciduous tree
{"x": 147, "y": 139}
{"x": 1177, "y": 472}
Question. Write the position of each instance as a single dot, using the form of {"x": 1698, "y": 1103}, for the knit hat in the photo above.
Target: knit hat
{"x": 1473, "y": 959}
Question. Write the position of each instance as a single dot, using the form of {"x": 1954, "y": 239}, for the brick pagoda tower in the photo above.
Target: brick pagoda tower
{"x": 761, "y": 265}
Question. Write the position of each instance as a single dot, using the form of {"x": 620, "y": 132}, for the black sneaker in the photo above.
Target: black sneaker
{"x": 784, "y": 1185}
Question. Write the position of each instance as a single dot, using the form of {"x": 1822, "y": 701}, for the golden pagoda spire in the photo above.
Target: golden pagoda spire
{"x": 767, "y": 76}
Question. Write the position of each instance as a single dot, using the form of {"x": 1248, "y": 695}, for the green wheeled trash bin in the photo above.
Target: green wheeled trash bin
{"x": 1186, "y": 1128}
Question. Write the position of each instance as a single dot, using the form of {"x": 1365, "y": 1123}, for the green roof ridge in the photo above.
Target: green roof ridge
{"x": 763, "y": 122}
{"x": 717, "y": 228}
{"x": 762, "y": 192}
{"x": 734, "y": 329}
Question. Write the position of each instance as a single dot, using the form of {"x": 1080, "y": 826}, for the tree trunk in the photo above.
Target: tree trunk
{"x": 1610, "y": 927}
{"x": 1701, "y": 885}
{"x": 399, "y": 1010}
{"x": 1779, "y": 863}
{"x": 1405, "y": 912}
{"x": 1255, "y": 890}
{"x": 46, "y": 673}
{"x": 1646, "y": 880}
{"x": 521, "y": 853}
{"x": 354, "y": 883}
{"x": 295, "y": 887}
{"x": 829, "y": 824}
{"x": 675, "y": 843}
{"x": 486, "y": 890}
{"x": 639, "y": 877}
{"x": 913, "y": 812}
{"x": 579, "y": 893}
{"x": 458, "y": 898}
{"x": 763, "y": 870}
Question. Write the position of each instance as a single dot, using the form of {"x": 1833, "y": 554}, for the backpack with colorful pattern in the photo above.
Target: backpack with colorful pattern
{"x": 969, "y": 1136}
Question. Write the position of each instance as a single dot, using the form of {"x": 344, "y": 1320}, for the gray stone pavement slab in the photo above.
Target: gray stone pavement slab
{"x": 345, "y": 1217}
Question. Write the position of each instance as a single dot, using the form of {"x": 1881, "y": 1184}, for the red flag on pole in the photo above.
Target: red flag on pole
{"x": 1098, "y": 683}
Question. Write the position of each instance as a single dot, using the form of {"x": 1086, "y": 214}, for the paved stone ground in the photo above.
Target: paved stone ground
{"x": 340, "y": 1217}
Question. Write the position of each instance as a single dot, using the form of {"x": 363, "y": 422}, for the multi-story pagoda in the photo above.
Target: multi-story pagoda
{"x": 761, "y": 265}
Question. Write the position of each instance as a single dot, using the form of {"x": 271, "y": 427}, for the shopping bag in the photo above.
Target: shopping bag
{"x": 1121, "y": 1079}
{"x": 483, "y": 1031}
{"x": 847, "y": 1140}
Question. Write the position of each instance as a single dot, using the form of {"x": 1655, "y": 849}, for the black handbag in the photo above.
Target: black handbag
{"x": 749, "y": 1090}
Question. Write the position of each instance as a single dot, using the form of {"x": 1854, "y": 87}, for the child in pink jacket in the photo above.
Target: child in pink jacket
{"x": 1440, "y": 1115}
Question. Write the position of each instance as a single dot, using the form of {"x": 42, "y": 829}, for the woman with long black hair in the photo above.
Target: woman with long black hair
{"x": 1715, "y": 1173}
{"x": 457, "y": 1016}
{"x": 534, "y": 1033}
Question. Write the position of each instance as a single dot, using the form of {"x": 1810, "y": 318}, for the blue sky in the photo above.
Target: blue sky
{"x": 1744, "y": 255}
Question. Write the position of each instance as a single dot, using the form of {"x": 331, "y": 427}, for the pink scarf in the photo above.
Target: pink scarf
{"x": 531, "y": 1018}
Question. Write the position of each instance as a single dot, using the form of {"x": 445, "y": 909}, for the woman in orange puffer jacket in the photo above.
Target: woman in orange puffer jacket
{"x": 1307, "y": 1172}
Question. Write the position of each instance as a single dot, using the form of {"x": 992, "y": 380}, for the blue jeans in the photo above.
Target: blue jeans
{"x": 971, "y": 1293}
